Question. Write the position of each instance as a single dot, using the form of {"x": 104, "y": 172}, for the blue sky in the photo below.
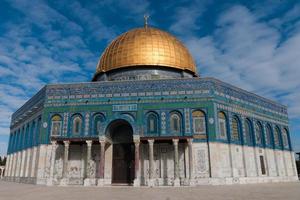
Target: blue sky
{"x": 251, "y": 44}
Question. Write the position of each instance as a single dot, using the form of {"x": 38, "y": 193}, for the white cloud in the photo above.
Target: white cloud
{"x": 250, "y": 53}
{"x": 44, "y": 47}
{"x": 255, "y": 54}
{"x": 186, "y": 17}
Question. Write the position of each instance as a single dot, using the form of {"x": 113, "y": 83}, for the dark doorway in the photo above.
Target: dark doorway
{"x": 262, "y": 165}
{"x": 123, "y": 167}
{"x": 123, "y": 152}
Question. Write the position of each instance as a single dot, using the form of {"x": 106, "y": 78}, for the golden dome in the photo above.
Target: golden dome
{"x": 146, "y": 47}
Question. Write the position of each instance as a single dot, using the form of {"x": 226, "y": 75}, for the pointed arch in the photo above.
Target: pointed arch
{"x": 175, "y": 123}
{"x": 248, "y": 132}
{"x": 152, "y": 123}
{"x": 258, "y": 133}
{"x": 77, "y": 125}
{"x": 236, "y": 129}
{"x": 98, "y": 120}
{"x": 222, "y": 118}
{"x": 56, "y": 125}
{"x": 199, "y": 122}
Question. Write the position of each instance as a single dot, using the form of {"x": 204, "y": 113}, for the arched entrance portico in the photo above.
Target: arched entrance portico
{"x": 121, "y": 134}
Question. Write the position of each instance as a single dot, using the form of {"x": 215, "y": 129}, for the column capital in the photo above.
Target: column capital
{"x": 151, "y": 141}
{"x": 67, "y": 143}
{"x": 102, "y": 142}
{"x": 190, "y": 140}
{"x": 136, "y": 142}
{"x": 104, "y": 139}
{"x": 89, "y": 142}
{"x": 175, "y": 141}
{"x": 136, "y": 138}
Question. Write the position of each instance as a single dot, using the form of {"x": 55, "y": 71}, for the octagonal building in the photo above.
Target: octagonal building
{"x": 148, "y": 119}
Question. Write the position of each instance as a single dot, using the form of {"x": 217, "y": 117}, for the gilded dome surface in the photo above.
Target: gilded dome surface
{"x": 146, "y": 47}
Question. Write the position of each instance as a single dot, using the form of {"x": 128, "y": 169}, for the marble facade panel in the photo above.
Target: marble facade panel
{"x": 220, "y": 160}
{"x": 33, "y": 162}
{"x": 289, "y": 163}
{"x": 271, "y": 162}
{"x": 280, "y": 163}
{"x": 238, "y": 167}
{"x": 41, "y": 178}
{"x": 201, "y": 160}
{"x": 250, "y": 165}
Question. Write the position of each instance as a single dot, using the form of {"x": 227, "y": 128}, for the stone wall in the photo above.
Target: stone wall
{"x": 216, "y": 163}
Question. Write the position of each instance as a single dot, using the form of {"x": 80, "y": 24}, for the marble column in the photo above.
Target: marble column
{"x": 191, "y": 161}
{"x": 137, "y": 180}
{"x": 52, "y": 164}
{"x": 87, "y": 180}
{"x": 176, "y": 163}
{"x": 28, "y": 158}
{"x": 151, "y": 181}
{"x": 64, "y": 180}
{"x": 101, "y": 163}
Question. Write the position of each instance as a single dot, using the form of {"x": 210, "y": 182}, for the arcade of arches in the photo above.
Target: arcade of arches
{"x": 120, "y": 159}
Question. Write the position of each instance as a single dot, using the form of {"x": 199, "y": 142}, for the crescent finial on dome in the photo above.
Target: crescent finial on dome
{"x": 146, "y": 17}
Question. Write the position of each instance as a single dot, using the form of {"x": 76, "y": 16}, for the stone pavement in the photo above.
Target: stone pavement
{"x": 272, "y": 191}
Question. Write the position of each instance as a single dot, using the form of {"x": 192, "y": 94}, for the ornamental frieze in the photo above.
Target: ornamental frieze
{"x": 249, "y": 114}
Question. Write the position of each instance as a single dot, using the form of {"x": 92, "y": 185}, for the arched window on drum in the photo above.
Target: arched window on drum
{"x": 77, "y": 125}
{"x": 236, "y": 129}
{"x": 199, "y": 125}
{"x": 258, "y": 133}
{"x": 98, "y": 120}
{"x": 152, "y": 123}
{"x": 222, "y": 125}
{"x": 175, "y": 123}
{"x": 248, "y": 132}
{"x": 56, "y": 125}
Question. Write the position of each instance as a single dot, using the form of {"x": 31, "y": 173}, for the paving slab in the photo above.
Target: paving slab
{"x": 272, "y": 191}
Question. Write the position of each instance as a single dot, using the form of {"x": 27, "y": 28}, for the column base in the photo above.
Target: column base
{"x": 151, "y": 183}
{"x": 50, "y": 182}
{"x": 64, "y": 182}
{"x": 176, "y": 182}
{"x": 192, "y": 182}
{"x": 137, "y": 182}
{"x": 100, "y": 182}
{"x": 89, "y": 182}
